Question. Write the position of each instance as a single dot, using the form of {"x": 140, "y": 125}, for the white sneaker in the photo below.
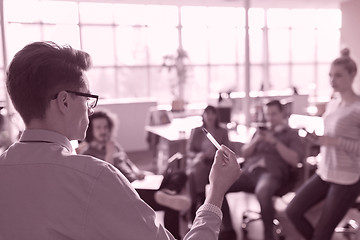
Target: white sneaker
{"x": 172, "y": 200}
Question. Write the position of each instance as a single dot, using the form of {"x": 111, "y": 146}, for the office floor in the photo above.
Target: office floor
{"x": 239, "y": 202}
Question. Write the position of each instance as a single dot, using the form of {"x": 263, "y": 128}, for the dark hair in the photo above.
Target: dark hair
{"x": 276, "y": 103}
{"x": 98, "y": 114}
{"x": 39, "y": 71}
{"x": 212, "y": 109}
{"x": 346, "y": 61}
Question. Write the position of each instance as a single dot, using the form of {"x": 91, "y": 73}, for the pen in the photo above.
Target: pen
{"x": 211, "y": 138}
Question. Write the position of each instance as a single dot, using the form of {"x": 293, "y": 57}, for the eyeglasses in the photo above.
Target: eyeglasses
{"x": 91, "y": 100}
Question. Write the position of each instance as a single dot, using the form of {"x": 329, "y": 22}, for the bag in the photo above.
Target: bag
{"x": 174, "y": 178}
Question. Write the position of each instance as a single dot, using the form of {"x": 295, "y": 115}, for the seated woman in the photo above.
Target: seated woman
{"x": 99, "y": 143}
{"x": 201, "y": 154}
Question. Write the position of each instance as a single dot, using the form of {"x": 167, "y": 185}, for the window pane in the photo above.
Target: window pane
{"x": 256, "y": 77}
{"x": 223, "y": 79}
{"x": 302, "y": 18}
{"x": 128, "y": 14}
{"x": 14, "y": 13}
{"x": 103, "y": 82}
{"x": 63, "y": 34}
{"x": 222, "y": 44}
{"x": 256, "y": 17}
{"x": 241, "y": 45}
{"x": 278, "y": 18}
{"x": 162, "y": 15}
{"x": 279, "y": 77}
{"x": 328, "y": 18}
{"x": 256, "y": 45}
{"x": 162, "y": 41}
{"x": 328, "y": 44}
{"x": 303, "y": 45}
{"x": 19, "y": 35}
{"x": 161, "y": 82}
{"x": 279, "y": 46}
{"x": 99, "y": 43}
{"x": 226, "y": 17}
{"x": 303, "y": 76}
{"x": 195, "y": 42}
{"x": 241, "y": 79}
{"x": 132, "y": 82}
{"x": 96, "y": 12}
{"x": 323, "y": 87}
{"x": 194, "y": 16}
{"x": 196, "y": 89}
{"x": 131, "y": 46}
{"x": 59, "y": 12}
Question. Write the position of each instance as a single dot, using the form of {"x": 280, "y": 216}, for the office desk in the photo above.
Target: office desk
{"x": 174, "y": 136}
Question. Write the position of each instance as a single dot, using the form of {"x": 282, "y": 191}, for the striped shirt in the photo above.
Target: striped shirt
{"x": 341, "y": 163}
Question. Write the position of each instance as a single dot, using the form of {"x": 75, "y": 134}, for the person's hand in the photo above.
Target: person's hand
{"x": 140, "y": 175}
{"x": 312, "y": 138}
{"x": 110, "y": 147}
{"x": 259, "y": 136}
{"x": 269, "y": 137}
{"x": 224, "y": 171}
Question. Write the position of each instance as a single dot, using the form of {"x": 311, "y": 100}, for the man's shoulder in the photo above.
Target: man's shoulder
{"x": 86, "y": 164}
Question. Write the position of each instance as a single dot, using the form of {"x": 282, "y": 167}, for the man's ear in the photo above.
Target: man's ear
{"x": 63, "y": 101}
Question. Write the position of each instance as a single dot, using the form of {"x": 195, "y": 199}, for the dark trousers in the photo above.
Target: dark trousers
{"x": 337, "y": 201}
{"x": 264, "y": 186}
{"x": 171, "y": 217}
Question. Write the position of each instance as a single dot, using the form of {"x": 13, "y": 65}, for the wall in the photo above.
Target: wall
{"x": 131, "y": 117}
{"x": 350, "y": 33}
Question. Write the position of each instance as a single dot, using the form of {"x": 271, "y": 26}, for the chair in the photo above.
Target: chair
{"x": 285, "y": 193}
{"x": 351, "y": 228}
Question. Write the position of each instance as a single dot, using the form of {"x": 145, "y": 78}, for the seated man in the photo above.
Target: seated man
{"x": 269, "y": 157}
{"x": 99, "y": 143}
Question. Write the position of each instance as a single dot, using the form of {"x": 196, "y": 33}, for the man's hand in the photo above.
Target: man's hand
{"x": 269, "y": 137}
{"x": 224, "y": 171}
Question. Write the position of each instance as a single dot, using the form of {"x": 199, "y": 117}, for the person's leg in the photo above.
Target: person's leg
{"x": 243, "y": 183}
{"x": 198, "y": 175}
{"x": 171, "y": 217}
{"x": 309, "y": 194}
{"x": 338, "y": 201}
{"x": 265, "y": 189}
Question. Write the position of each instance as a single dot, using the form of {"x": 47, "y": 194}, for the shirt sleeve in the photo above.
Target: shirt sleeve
{"x": 115, "y": 211}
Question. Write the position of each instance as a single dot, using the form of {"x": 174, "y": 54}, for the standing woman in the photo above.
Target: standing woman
{"x": 337, "y": 179}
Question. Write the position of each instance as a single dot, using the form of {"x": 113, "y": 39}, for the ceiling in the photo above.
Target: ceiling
{"x": 240, "y": 3}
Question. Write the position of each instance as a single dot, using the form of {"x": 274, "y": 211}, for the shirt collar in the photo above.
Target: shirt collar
{"x": 41, "y": 135}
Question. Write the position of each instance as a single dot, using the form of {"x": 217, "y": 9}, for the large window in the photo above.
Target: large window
{"x": 128, "y": 43}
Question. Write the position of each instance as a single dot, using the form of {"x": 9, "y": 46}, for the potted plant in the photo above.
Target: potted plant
{"x": 175, "y": 62}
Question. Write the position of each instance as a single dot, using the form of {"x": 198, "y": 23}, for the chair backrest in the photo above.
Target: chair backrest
{"x": 158, "y": 117}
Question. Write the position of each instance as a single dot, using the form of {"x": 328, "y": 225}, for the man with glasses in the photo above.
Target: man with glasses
{"x": 47, "y": 192}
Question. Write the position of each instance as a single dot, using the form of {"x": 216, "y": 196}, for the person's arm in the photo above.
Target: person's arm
{"x": 111, "y": 149}
{"x": 286, "y": 152}
{"x": 249, "y": 148}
